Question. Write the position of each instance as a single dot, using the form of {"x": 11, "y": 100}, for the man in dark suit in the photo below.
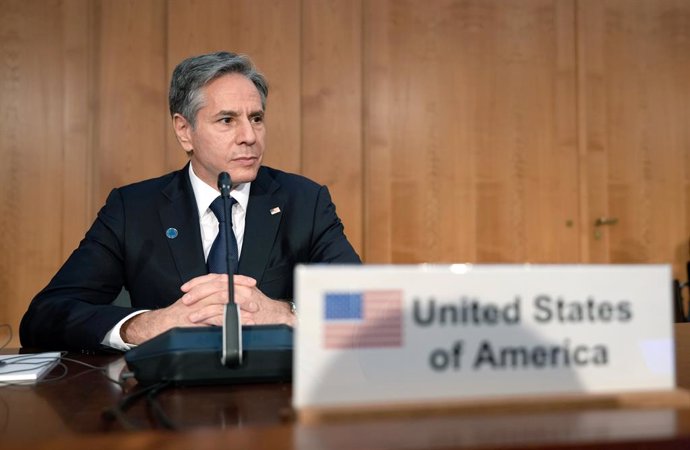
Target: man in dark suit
{"x": 153, "y": 237}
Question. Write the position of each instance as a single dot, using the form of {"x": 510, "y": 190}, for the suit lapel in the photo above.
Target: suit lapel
{"x": 178, "y": 211}
{"x": 261, "y": 224}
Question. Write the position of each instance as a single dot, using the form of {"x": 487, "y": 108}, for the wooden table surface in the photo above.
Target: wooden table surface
{"x": 68, "y": 414}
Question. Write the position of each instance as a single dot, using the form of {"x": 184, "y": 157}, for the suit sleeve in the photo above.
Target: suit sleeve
{"x": 329, "y": 243}
{"x": 74, "y": 311}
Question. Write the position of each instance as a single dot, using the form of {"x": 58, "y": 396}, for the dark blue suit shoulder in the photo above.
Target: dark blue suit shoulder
{"x": 291, "y": 181}
{"x": 152, "y": 185}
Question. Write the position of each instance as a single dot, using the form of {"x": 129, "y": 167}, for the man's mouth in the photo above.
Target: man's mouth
{"x": 244, "y": 160}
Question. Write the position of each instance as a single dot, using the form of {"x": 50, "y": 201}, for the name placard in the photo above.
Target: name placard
{"x": 395, "y": 335}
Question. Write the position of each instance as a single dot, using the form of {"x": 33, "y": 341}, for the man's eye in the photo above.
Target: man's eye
{"x": 226, "y": 119}
{"x": 257, "y": 119}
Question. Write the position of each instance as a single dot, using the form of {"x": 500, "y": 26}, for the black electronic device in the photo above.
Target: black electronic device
{"x": 191, "y": 356}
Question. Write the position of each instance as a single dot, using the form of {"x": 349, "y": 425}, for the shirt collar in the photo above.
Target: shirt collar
{"x": 205, "y": 194}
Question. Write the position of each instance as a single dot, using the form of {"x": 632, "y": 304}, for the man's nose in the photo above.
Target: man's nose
{"x": 245, "y": 132}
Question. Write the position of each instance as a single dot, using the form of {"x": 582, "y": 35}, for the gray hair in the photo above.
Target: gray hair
{"x": 192, "y": 74}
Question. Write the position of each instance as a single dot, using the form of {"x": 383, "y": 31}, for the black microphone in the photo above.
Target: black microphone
{"x": 232, "y": 329}
{"x": 224, "y": 184}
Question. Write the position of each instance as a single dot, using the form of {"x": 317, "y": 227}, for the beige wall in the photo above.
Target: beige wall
{"x": 447, "y": 130}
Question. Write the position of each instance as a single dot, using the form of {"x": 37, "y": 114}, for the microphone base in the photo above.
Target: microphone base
{"x": 192, "y": 356}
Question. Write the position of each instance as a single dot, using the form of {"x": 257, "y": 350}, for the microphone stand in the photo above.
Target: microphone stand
{"x": 232, "y": 328}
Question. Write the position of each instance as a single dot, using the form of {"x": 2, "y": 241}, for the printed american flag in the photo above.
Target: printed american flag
{"x": 363, "y": 319}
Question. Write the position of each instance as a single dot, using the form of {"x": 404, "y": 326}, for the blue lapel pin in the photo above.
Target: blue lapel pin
{"x": 171, "y": 233}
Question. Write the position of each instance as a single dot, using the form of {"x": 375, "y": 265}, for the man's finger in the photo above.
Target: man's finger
{"x": 243, "y": 280}
{"x": 207, "y": 315}
{"x": 215, "y": 291}
{"x": 203, "y": 279}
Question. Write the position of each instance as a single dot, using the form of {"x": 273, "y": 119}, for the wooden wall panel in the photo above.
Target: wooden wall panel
{"x": 470, "y": 131}
{"x": 131, "y": 93}
{"x": 80, "y": 38}
{"x": 332, "y": 105}
{"x": 266, "y": 30}
{"x": 635, "y": 85}
{"x": 40, "y": 146}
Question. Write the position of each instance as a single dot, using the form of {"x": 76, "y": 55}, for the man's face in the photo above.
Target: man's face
{"x": 229, "y": 133}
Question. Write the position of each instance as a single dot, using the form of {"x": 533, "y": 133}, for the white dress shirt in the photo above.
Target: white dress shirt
{"x": 208, "y": 224}
{"x": 204, "y": 195}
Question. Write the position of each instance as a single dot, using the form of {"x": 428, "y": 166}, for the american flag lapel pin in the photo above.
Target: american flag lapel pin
{"x": 275, "y": 211}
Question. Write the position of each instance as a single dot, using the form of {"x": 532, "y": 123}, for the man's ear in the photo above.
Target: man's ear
{"x": 183, "y": 131}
